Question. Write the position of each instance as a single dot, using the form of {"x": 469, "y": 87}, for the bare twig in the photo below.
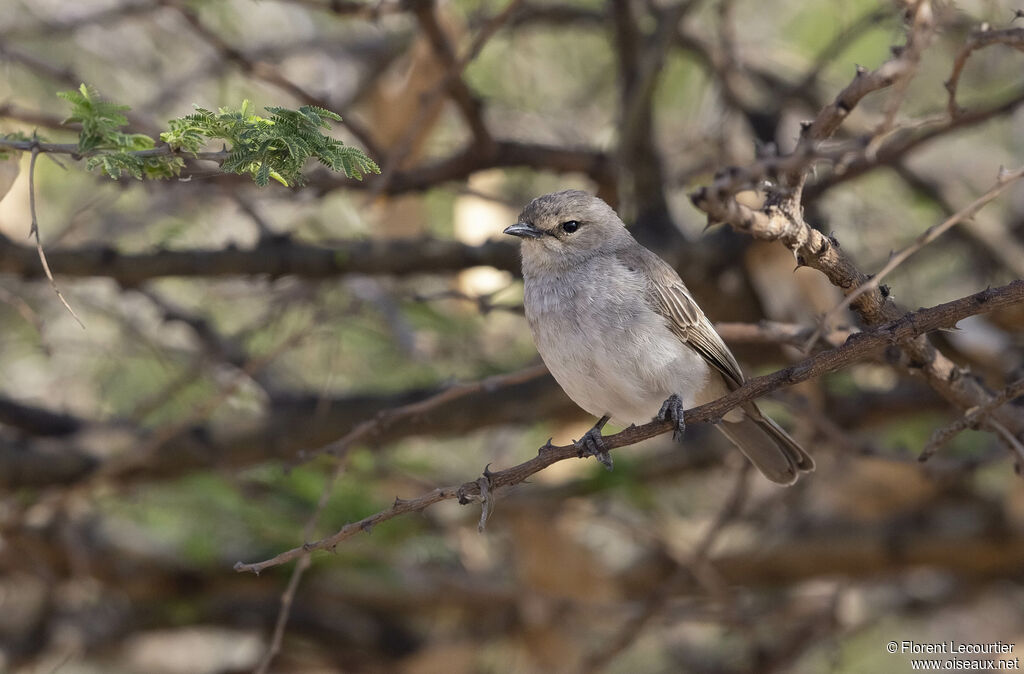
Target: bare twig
{"x": 920, "y": 34}
{"x": 34, "y": 232}
{"x": 369, "y": 430}
{"x": 1005, "y": 179}
{"x": 979, "y": 39}
{"x": 972, "y": 419}
{"x": 855, "y": 349}
{"x": 288, "y": 597}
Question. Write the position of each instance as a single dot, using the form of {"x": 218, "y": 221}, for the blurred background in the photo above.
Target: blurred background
{"x": 234, "y": 333}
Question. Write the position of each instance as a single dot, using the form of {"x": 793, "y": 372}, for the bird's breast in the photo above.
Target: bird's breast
{"x": 610, "y": 352}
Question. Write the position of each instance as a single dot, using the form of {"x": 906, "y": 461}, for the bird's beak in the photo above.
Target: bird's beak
{"x": 524, "y": 230}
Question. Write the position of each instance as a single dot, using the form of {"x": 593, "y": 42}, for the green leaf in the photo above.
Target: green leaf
{"x": 278, "y": 146}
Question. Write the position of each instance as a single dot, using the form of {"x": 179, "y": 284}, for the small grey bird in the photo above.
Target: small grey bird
{"x": 622, "y": 335}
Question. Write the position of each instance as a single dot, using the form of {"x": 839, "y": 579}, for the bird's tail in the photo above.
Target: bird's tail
{"x": 769, "y": 448}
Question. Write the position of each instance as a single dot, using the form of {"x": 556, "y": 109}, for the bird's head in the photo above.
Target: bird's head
{"x": 567, "y": 227}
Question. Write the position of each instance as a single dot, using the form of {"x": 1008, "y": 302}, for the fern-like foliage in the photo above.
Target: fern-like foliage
{"x": 275, "y": 147}
{"x": 270, "y": 147}
{"x": 109, "y": 148}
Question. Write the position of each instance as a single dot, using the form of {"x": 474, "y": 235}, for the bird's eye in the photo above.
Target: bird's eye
{"x": 570, "y": 226}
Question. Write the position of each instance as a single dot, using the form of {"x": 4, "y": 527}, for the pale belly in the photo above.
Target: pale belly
{"x": 617, "y": 359}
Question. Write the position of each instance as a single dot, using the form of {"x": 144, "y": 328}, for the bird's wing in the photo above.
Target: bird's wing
{"x": 669, "y": 296}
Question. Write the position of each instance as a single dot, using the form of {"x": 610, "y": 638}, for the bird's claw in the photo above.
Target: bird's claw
{"x": 592, "y": 444}
{"x": 672, "y": 410}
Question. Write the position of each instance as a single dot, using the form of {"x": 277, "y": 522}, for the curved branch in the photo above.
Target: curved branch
{"x": 857, "y": 348}
{"x": 1011, "y": 37}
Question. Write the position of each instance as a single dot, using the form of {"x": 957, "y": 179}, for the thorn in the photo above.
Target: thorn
{"x": 861, "y": 70}
{"x": 897, "y": 50}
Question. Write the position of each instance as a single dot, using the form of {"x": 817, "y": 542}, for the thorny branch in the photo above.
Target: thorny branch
{"x": 853, "y": 350}
{"x": 781, "y": 219}
{"x": 972, "y": 419}
{"x": 887, "y": 143}
{"x": 1004, "y": 180}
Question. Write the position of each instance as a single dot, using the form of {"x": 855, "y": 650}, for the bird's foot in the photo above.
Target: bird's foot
{"x": 672, "y": 410}
{"x": 592, "y": 444}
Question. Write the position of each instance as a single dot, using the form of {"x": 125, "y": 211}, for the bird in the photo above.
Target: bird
{"x": 624, "y": 338}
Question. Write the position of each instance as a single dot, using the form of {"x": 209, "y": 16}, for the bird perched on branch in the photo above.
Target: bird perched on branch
{"x": 624, "y": 338}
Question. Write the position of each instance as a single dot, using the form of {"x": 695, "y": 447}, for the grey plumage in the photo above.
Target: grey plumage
{"x": 621, "y": 333}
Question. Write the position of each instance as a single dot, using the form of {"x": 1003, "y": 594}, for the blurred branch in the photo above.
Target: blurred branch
{"x": 292, "y": 425}
{"x": 842, "y": 40}
{"x": 288, "y": 596}
{"x": 107, "y": 15}
{"x": 371, "y": 11}
{"x": 697, "y": 567}
{"x": 270, "y": 74}
{"x": 904, "y": 144}
{"x": 372, "y": 430}
{"x": 452, "y": 81}
{"x": 468, "y": 103}
{"x": 34, "y": 117}
{"x": 278, "y": 256}
{"x": 992, "y": 240}
{"x": 640, "y": 59}
{"x": 36, "y": 420}
{"x": 973, "y": 419}
{"x": 855, "y": 349}
{"x": 978, "y": 39}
